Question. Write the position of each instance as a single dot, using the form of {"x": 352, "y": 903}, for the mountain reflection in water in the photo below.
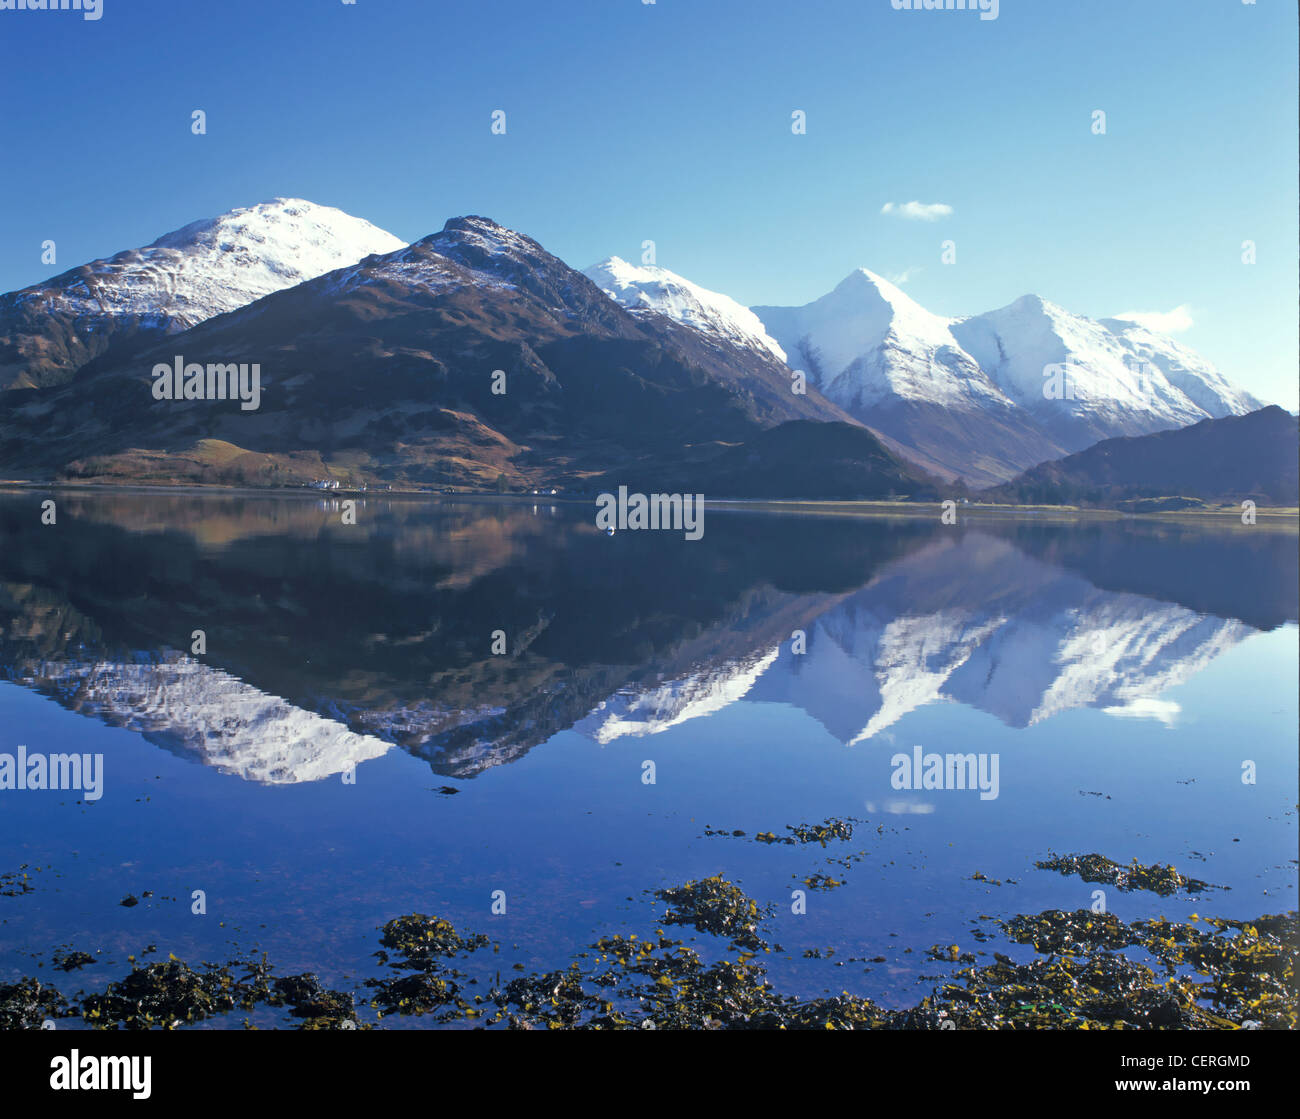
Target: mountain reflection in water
{"x": 328, "y": 644}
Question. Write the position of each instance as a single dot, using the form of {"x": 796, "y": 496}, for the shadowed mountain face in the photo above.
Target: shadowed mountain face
{"x": 472, "y": 357}
{"x": 1231, "y": 459}
{"x": 327, "y": 644}
{"x": 834, "y": 461}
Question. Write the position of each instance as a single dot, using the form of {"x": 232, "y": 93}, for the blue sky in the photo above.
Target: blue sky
{"x": 672, "y": 121}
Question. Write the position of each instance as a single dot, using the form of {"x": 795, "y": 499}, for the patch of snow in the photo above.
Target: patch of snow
{"x": 646, "y": 287}
{"x": 215, "y": 265}
{"x": 867, "y": 341}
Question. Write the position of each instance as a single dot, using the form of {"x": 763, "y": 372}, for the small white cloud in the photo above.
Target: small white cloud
{"x": 918, "y": 211}
{"x": 906, "y": 274}
{"x": 1161, "y": 710}
{"x": 901, "y": 808}
{"x": 1162, "y": 322}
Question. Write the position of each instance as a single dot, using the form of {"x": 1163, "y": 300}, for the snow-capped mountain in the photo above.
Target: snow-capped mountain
{"x": 393, "y": 356}
{"x": 468, "y": 253}
{"x": 1185, "y": 369}
{"x": 1029, "y": 382}
{"x": 219, "y": 264}
{"x": 893, "y": 365}
{"x": 1023, "y": 625}
{"x": 622, "y": 364}
{"x": 51, "y": 329}
{"x": 1085, "y": 380}
{"x": 979, "y": 622}
{"x": 648, "y": 288}
{"x": 226, "y": 262}
{"x": 208, "y": 715}
{"x": 975, "y": 621}
{"x": 868, "y": 341}
{"x": 637, "y": 712}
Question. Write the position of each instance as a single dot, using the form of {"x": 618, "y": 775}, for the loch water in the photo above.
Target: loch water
{"x": 455, "y": 706}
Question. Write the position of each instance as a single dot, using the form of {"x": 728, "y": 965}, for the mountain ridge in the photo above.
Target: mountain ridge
{"x": 604, "y": 358}
{"x": 1027, "y": 381}
{"x": 469, "y": 357}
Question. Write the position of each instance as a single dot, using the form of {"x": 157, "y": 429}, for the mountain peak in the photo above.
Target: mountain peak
{"x": 1032, "y": 304}
{"x": 481, "y": 243}
{"x": 203, "y": 269}
{"x": 292, "y": 232}
{"x": 649, "y": 288}
{"x": 867, "y": 341}
{"x": 858, "y": 314}
{"x": 865, "y": 292}
{"x": 1087, "y": 380}
{"x": 474, "y": 223}
{"x": 863, "y": 280}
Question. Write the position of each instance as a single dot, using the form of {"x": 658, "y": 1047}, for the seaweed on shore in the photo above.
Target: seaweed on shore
{"x": 717, "y": 906}
{"x": 27, "y": 1004}
{"x": 309, "y": 999}
{"x": 171, "y": 994}
{"x": 166, "y": 994}
{"x": 422, "y": 942}
{"x": 1218, "y": 974}
{"x": 424, "y": 945}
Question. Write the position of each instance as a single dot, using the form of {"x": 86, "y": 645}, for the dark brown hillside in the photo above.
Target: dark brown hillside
{"x": 383, "y": 372}
{"x": 1226, "y": 460}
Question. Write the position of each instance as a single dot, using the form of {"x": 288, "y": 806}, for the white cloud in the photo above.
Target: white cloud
{"x": 1162, "y": 322}
{"x": 918, "y": 211}
{"x": 901, "y": 808}
{"x": 1165, "y": 711}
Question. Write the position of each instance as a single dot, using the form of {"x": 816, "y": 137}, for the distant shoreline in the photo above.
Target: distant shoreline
{"x": 1275, "y": 516}
{"x": 993, "y": 511}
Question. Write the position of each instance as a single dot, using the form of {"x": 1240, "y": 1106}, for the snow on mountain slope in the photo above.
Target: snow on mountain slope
{"x": 1045, "y": 641}
{"x": 1199, "y": 380}
{"x": 867, "y": 341}
{"x": 1060, "y": 644}
{"x": 636, "y": 713}
{"x": 201, "y": 712}
{"x": 469, "y": 252}
{"x": 1079, "y": 379}
{"x": 987, "y": 396}
{"x": 1113, "y": 652}
{"x": 50, "y": 330}
{"x": 214, "y": 265}
{"x": 649, "y": 288}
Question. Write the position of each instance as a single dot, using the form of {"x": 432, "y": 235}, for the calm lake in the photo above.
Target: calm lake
{"x": 460, "y": 707}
